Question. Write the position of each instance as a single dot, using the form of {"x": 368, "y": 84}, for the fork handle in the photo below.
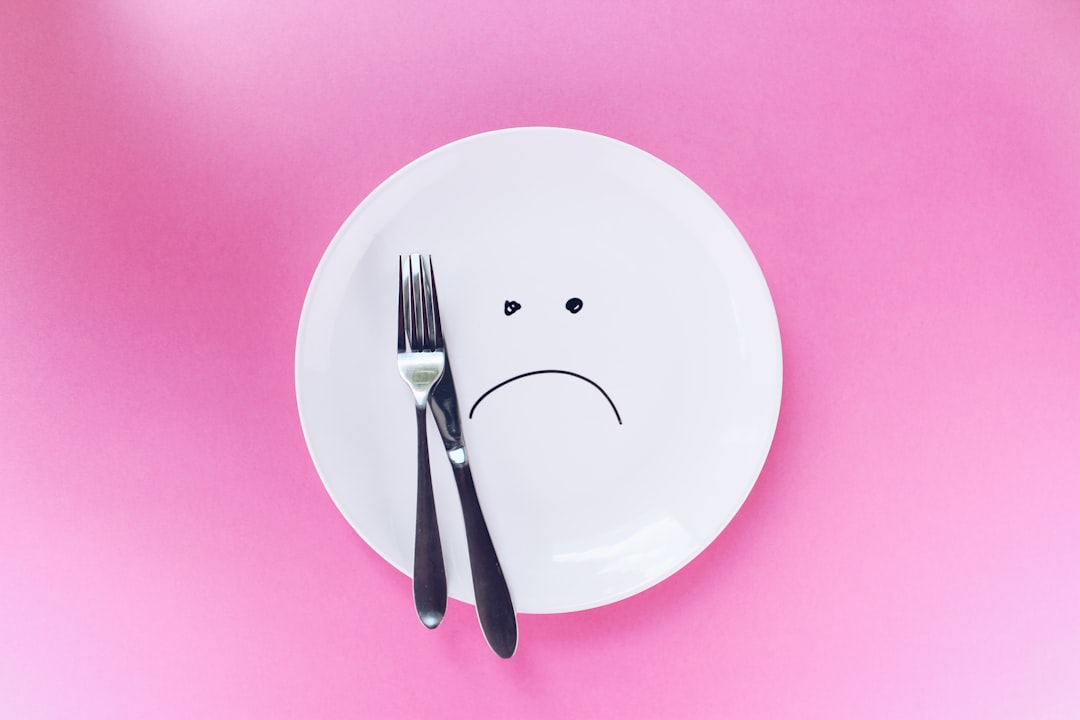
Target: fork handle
{"x": 429, "y": 570}
{"x": 494, "y": 607}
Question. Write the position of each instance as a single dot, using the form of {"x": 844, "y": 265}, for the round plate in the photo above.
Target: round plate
{"x": 557, "y": 250}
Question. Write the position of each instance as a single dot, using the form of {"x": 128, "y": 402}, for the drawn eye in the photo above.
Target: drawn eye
{"x": 574, "y": 305}
{"x": 511, "y": 306}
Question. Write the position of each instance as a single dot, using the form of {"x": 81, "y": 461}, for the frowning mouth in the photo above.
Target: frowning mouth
{"x": 543, "y": 372}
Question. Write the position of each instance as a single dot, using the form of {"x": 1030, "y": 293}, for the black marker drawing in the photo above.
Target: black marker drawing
{"x": 573, "y": 305}
{"x": 542, "y": 372}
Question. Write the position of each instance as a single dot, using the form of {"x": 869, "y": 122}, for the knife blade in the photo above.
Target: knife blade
{"x": 494, "y": 607}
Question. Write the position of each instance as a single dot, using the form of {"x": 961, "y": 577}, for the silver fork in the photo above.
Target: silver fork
{"x": 421, "y": 359}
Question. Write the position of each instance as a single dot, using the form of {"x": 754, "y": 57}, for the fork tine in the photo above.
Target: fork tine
{"x": 429, "y": 310}
{"x": 436, "y": 320}
{"x": 419, "y": 329}
{"x": 402, "y": 279}
{"x": 413, "y": 317}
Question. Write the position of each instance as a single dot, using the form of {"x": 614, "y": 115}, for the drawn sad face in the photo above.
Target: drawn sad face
{"x": 573, "y": 306}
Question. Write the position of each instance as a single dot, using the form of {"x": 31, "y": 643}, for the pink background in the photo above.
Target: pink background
{"x": 908, "y": 176}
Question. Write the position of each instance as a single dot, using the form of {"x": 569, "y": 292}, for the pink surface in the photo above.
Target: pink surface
{"x": 908, "y": 176}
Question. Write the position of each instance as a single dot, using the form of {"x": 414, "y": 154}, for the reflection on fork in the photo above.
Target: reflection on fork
{"x": 421, "y": 358}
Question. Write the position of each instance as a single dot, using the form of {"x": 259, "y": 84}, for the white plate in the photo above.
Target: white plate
{"x": 676, "y": 326}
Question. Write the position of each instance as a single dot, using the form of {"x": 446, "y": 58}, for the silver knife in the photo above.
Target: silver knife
{"x": 493, "y": 604}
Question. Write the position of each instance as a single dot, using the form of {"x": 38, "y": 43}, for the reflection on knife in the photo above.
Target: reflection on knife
{"x": 493, "y": 604}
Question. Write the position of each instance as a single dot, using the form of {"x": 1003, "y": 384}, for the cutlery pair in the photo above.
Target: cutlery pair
{"x": 425, "y": 366}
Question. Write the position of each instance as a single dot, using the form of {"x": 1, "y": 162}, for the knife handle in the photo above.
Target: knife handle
{"x": 493, "y": 604}
{"x": 429, "y": 570}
